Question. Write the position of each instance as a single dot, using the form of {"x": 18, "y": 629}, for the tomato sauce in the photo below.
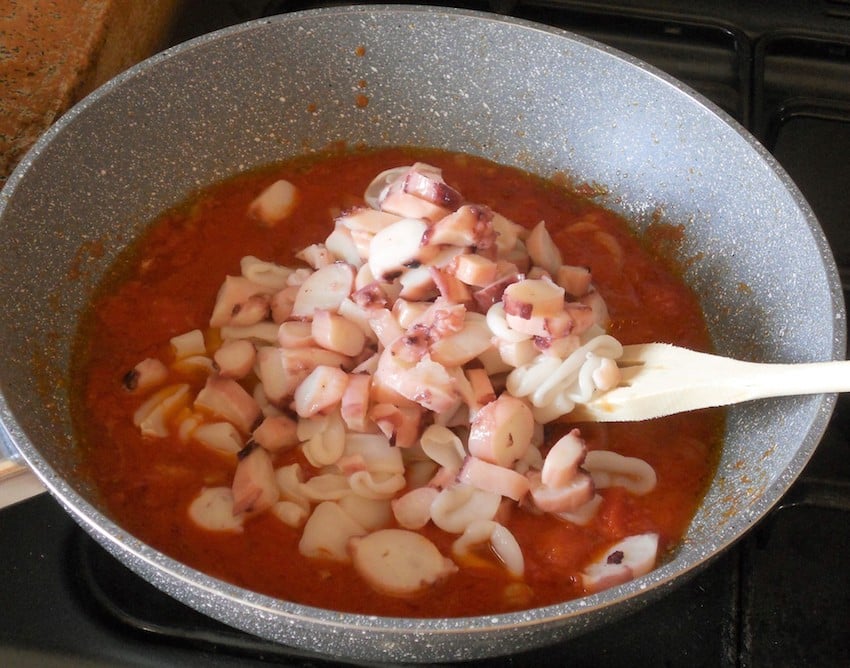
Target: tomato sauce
{"x": 166, "y": 285}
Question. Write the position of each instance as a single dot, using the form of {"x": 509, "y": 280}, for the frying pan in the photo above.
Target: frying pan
{"x": 515, "y": 92}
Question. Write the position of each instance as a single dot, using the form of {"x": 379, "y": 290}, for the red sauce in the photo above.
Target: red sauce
{"x": 166, "y": 285}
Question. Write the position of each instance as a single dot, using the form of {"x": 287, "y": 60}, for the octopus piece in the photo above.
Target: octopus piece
{"x": 276, "y": 433}
{"x": 397, "y": 562}
{"x": 576, "y": 281}
{"x": 254, "y": 484}
{"x": 398, "y": 247}
{"x": 336, "y": 333}
{"x": 269, "y": 275}
{"x": 324, "y": 289}
{"x": 323, "y": 439}
{"x": 354, "y": 405}
{"x": 542, "y": 250}
{"x": 188, "y": 344}
{"x": 227, "y": 399}
{"x": 340, "y": 243}
{"x": 426, "y": 383}
{"x": 413, "y": 509}
{"x": 234, "y": 295}
{"x": 493, "y": 293}
{"x": 153, "y": 415}
{"x": 296, "y": 334}
{"x": 320, "y": 391}
{"x": 450, "y": 288}
{"x": 400, "y": 424}
{"x": 275, "y": 203}
{"x": 420, "y": 192}
{"x": 626, "y": 560}
{"x": 456, "y": 507}
{"x": 564, "y": 498}
{"x": 418, "y": 284}
{"x": 460, "y": 347}
{"x": 290, "y": 513}
{"x": 327, "y": 533}
{"x": 235, "y": 359}
{"x": 508, "y": 233}
{"x": 500, "y": 539}
{"x": 376, "y": 453}
{"x": 147, "y": 374}
{"x": 316, "y": 255}
{"x": 533, "y": 297}
{"x": 493, "y": 478}
{"x": 212, "y": 510}
{"x": 407, "y": 312}
{"x": 371, "y": 514}
{"x": 281, "y": 303}
{"x": 281, "y": 370}
{"x": 367, "y": 219}
{"x": 219, "y": 436}
{"x": 470, "y": 226}
{"x": 501, "y": 431}
{"x": 584, "y": 514}
{"x": 610, "y": 469}
{"x": 474, "y": 270}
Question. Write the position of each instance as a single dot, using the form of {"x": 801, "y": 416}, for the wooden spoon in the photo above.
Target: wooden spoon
{"x": 661, "y": 379}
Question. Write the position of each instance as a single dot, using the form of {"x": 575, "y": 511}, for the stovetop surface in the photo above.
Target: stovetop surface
{"x": 780, "y": 597}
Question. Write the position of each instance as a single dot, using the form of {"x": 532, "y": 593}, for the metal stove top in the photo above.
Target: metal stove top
{"x": 780, "y": 597}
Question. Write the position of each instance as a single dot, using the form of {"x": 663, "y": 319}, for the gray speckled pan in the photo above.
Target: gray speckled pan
{"x": 515, "y": 92}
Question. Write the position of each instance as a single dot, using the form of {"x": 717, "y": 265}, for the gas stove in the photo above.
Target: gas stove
{"x": 780, "y": 597}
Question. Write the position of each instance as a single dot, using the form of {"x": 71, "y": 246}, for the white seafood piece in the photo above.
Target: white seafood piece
{"x": 194, "y": 364}
{"x": 290, "y": 479}
{"x": 482, "y": 388}
{"x": 219, "y": 436}
{"x": 451, "y": 289}
{"x": 327, "y": 533}
{"x": 260, "y": 333}
{"x": 281, "y": 303}
{"x": 443, "y": 446}
{"x": 371, "y": 295}
{"x": 397, "y": 562}
{"x": 281, "y": 370}
{"x": 212, "y": 510}
{"x": 413, "y": 509}
{"x": 420, "y": 192}
{"x": 385, "y": 326}
{"x": 532, "y": 297}
{"x": 575, "y": 280}
{"x": 461, "y": 347}
{"x": 358, "y": 315}
{"x": 508, "y": 233}
{"x": 354, "y": 405}
{"x": 364, "y": 277}
{"x": 227, "y": 399}
{"x": 501, "y": 431}
{"x": 267, "y": 274}
{"x": 341, "y": 244}
{"x": 542, "y": 250}
{"x": 324, "y": 289}
{"x": 497, "y": 323}
{"x": 276, "y": 433}
{"x": 398, "y": 247}
{"x": 325, "y": 487}
{"x": 254, "y": 486}
{"x": 418, "y": 284}
{"x": 367, "y": 219}
{"x": 275, "y": 203}
{"x": 187, "y": 426}
{"x": 234, "y": 293}
{"x": 598, "y": 306}
{"x": 561, "y": 348}
{"x": 611, "y": 469}
{"x": 563, "y": 459}
{"x": 471, "y": 225}
{"x": 456, "y": 507}
{"x": 426, "y": 383}
{"x": 371, "y": 514}
{"x": 320, "y": 391}
{"x": 298, "y": 276}
{"x": 296, "y": 334}
{"x": 473, "y": 269}
{"x": 290, "y": 513}
{"x": 235, "y": 359}
{"x": 371, "y": 485}
{"x": 369, "y": 365}
{"x": 188, "y": 344}
{"x": 378, "y": 455}
{"x": 502, "y": 541}
{"x": 584, "y": 514}
{"x": 564, "y": 498}
{"x": 147, "y": 374}
{"x": 380, "y": 184}
{"x": 493, "y": 478}
{"x": 324, "y": 439}
{"x": 334, "y": 332}
{"x": 316, "y": 255}
{"x": 152, "y": 416}
{"x": 407, "y": 312}
{"x": 400, "y": 424}
{"x": 492, "y": 294}
{"x": 607, "y": 375}
{"x": 624, "y": 561}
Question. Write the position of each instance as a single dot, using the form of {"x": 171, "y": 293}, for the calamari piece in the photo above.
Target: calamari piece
{"x": 188, "y": 344}
{"x": 227, "y": 399}
{"x": 413, "y": 509}
{"x": 290, "y": 513}
{"x": 366, "y": 219}
{"x": 407, "y": 312}
{"x": 508, "y": 233}
{"x": 194, "y": 364}
{"x": 233, "y": 295}
{"x": 316, "y": 255}
{"x": 274, "y": 204}
{"x": 219, "y": 436}
{"x": 371, "y": 514}
{"x": 426, "y": 383}
{"x": 281, "y": 303}
{"x": 259, "y": 333}
{"x": 296, "y": 334}
{"x": 354, "y": 405}
{"x": 376, "y": 485}
{"x": 501, "y": 431}
{"x": 398, "y": 247}
{"x": 327, "y": 533}
{"x": 443, "y": 446}
{"x": 456, "y": 507}
{"x": 500, "y": 539}
{"x": 254, "y": 484}
{"x": 400, "y": 424}
{"x": 400, "y": 563}
{"x": 584, "y": 514}
{"x": 267, "y": 274}
{"x": 563, "y": 460}
{"x": 325, "y": 487}
{"x": 235, "y": 359}
{"x": 320, "y": 391}
{"x": 493, "y": 478}
{"x": 212, "y": 510}
{"x": 290, "y": 479}
{"x": 378, "y": 455}
{"x": 147, "y": 374}
{"x": 281, "y": 370}
{"x": 334, "y": 332}
{"x": 153, "y": 415}
{"x": 564, "y": 498}
{"x": 575, "y": 280}
{"x": 324, "y": 289}
{"x": 607, "y": 376}
{"x": 543, "y": 251}
{"x": 276, "y": 433}
{"x": 626, "y": 560}
{"x": 610, "y": 469}
{"x": 323, "y": 439}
